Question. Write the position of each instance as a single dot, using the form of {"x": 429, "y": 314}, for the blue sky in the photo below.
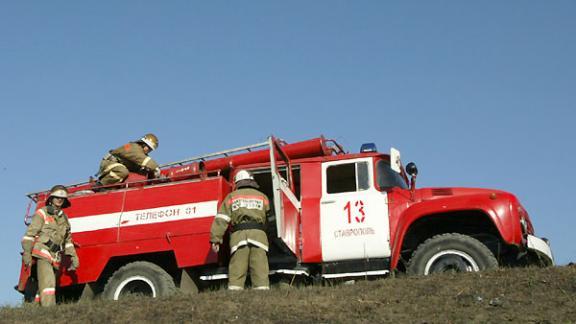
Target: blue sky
{"x": 478, "y": 94}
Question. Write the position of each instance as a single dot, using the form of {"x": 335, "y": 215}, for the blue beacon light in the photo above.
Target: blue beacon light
{"x": 368, "y": 148}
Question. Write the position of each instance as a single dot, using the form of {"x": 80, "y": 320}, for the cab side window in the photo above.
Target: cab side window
{"x": 347, "y": 177}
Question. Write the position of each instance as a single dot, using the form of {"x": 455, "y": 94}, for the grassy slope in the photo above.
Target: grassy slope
{"x": 515, "y": 295}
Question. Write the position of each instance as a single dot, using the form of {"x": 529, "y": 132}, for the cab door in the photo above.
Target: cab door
{"x": 353, "y": 213}
{"x": 287, "y": 207}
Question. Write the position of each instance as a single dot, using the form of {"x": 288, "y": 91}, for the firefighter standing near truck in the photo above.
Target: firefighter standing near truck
{"x": 47, "y": 237}
{"x": 131, "y": 157}
{"x": 245, "y": 209}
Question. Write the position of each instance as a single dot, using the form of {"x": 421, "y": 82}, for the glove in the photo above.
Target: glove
{"x": 157, "y": 173}
{"x": 75, "y": 263}
{"x": 215, "y": 247}
{"x": 27, "y": 259}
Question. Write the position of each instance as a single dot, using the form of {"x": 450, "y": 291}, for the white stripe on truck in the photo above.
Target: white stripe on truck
{"x": 144, "y": 216}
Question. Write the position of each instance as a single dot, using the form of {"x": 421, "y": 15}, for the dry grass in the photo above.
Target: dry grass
{"x": 515, "y": 295}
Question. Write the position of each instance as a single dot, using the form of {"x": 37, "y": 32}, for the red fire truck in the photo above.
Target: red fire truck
{"x": 336, "y": 216}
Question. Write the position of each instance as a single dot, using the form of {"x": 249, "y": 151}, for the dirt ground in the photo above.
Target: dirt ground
{"x": 530, "y": 295}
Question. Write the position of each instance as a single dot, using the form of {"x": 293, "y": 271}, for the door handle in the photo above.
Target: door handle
{"x": 328, "y": 202}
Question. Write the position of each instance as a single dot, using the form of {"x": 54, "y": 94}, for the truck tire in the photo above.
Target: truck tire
{"x": 139, "y": 277}
{"x": 451, "y": 252}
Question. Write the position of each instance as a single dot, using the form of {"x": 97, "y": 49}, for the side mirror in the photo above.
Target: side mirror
{"x": 411, "y": 169}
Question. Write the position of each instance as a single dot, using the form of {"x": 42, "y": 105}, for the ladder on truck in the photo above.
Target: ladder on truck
{"x": 225, "y": 153}
{"x": 280, "y": 184}
{"x": 199, "y": 158}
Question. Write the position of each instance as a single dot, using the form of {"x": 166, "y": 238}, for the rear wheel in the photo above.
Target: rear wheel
{"x": 451, "y": 252}
{"x": 142, "y": 278}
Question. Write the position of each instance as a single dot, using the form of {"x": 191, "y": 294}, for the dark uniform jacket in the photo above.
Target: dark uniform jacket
{"x": 244, "y": 205}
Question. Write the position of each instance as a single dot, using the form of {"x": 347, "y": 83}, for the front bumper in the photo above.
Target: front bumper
{"x": 541, "y": 249}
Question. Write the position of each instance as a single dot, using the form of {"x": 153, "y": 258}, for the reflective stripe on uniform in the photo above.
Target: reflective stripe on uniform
{"x": 69, "y": 245}
{"x": 27, "y": 238}
{"x": 247, "y": 242}
{"x": 43, "y": 253}
{"x": 49, "y": 291}
{"x": 235, "y": 288}
{"x": 261, "y": 288}
{"x": 110, "y": 167}
{"x": 47, "y": 219}
{"x": 258, "y": 244}
{"x": 237, "y": 246}
{"x": 146, "y": 160}
{"x": 224, "y": 217}
{"x": 114, "y": 175}
{"x": 42, "y": 214}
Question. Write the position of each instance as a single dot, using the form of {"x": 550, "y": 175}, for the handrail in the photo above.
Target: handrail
{"x": 225, "y": 153}
{"x": 336, "y": 147}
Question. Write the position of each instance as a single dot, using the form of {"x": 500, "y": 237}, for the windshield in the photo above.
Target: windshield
{"x": 388, "y": 178}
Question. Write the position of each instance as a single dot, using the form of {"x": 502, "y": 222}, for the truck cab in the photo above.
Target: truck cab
{"x": 361, "y": 214}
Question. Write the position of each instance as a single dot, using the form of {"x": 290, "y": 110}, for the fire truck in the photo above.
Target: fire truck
{"x": 336, "y": 216}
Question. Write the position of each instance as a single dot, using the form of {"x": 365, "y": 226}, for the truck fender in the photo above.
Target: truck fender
{"x": 424, "y": 209}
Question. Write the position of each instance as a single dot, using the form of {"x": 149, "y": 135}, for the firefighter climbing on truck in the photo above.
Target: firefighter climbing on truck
{"x": 131, "y": 157}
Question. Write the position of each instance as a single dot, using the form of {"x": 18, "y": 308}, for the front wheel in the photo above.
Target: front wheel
{"x": 143, "y": 278}
{"x": 451, "y": 252}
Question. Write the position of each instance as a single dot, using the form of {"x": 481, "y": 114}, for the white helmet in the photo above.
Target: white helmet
{"x": 59, "y": 191}
{"x": 151, "y": 140}
{"x": 243, "y": 175}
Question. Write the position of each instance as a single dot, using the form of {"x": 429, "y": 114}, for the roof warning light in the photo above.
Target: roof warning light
{"x": 368, "y": 148}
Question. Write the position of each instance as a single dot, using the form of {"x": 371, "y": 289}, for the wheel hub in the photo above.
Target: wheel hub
{"x": 451, "y": 261}
{"x": 135, "y": 285}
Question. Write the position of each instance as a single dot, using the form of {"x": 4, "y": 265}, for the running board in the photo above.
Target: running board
{"x": 221, "y": 276}
{"x": 356, "y": 274}
{"x": 214, "y": 277}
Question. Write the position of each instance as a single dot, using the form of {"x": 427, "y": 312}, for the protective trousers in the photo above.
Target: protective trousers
{"x": 112, "y": 172}
{"x": 245, "y": 257}
{"x": 46, "y": 282}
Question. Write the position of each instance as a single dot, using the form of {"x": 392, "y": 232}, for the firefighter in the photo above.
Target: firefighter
{"x": 245, "y": 209}
{"x": 46, "y": 239}
{"x": 131, "y": 157}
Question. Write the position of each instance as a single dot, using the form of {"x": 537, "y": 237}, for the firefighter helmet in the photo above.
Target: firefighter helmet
{"x": 151, "y": 140}
{"x": 244, "y": 178}
{"x": 243, "y": 175}
{"x": 59, "y": 191}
